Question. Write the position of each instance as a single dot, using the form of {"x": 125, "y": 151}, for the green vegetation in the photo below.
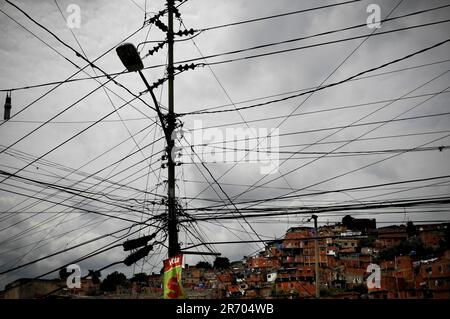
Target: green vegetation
{"x": 203, "y": 265}
{"x": 221, "y": 263}
{"x": 140, "y": 278}
{"x": 112, "y": 281}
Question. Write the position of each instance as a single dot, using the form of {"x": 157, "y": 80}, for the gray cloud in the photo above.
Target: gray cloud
{"x": 25, "y": 61}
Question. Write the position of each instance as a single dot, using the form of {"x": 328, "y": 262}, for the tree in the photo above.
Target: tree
{"x": 203, "y": 265}
{"x": 366, "y": 242}
{"x": 112, "y": 281}
{"x": 95, "y": 276}
{"x": 411, "y": 229}
{"x": 221, "y": 263}
{"x": 347, "y": 221}
{"x": 63, "y": 273}
{"x": 141, "y": 277}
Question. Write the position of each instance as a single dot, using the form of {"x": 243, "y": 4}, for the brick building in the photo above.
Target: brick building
{"x": 391, "y": 236}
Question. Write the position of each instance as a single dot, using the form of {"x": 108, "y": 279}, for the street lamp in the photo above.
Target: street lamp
{"x": 131, "y": 59}
{"x": 129, "y": 56}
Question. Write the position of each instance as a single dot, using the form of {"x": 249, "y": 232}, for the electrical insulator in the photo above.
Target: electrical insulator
{"x": 185, "y": 32}
{"x": 156, "y": 17}
{"x": 186, "y": 67}
{"x": 157, "y": 83}
{"x": 176, "y": 12}
{"x": 161, "y": 26}
{"x": 156, "y": 48}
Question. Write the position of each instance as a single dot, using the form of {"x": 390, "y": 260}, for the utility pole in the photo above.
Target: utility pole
{"x": 129, "y": 56}
{"x": 316, "y": 258}
{"x": 174, "y": 247}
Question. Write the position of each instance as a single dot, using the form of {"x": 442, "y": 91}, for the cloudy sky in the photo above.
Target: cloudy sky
{"x": 37, "y": 220}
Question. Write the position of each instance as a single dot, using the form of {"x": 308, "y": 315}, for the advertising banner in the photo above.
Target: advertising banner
{"x": 172, "y": 278}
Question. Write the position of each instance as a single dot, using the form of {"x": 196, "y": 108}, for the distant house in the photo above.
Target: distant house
{"x": 431, "y": 235}
{"x": 391, "y": 236}
{"x": 434, "y": 277}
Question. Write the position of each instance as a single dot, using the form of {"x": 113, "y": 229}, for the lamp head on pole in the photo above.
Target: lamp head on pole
{"x": 129, "y": 56}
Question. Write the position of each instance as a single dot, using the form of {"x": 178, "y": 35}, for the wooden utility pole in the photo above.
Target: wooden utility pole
{"x": 174, "y": 247}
